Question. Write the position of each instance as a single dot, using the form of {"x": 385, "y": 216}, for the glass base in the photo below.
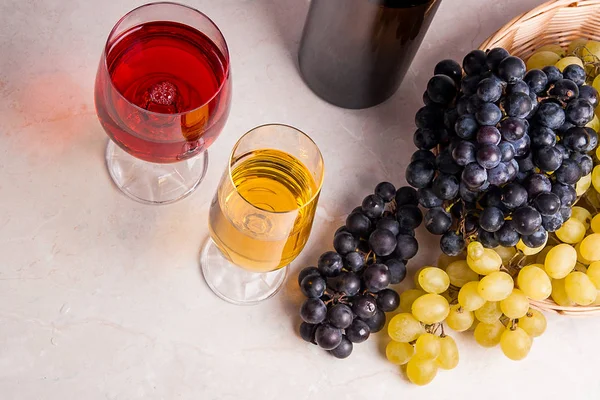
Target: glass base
{"x": 237, "y": 285}
{"x": 153, "y": 183}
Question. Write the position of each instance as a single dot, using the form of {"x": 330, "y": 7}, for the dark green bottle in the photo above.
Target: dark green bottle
{"x": 355, "y": 53}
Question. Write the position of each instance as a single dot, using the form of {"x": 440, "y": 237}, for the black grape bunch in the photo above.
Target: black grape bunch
{"x": 501, "y": 149}
{"x": 348, "y": 291}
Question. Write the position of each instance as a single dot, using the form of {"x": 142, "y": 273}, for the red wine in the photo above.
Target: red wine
{"x": 163, "y": 91}
{"x": 355, "y": 53}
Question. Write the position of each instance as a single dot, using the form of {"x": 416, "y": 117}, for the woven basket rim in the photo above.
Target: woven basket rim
{"x": 510, "y": 28}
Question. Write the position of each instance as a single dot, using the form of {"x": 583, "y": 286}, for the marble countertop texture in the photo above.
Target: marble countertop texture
{"x": 102, "y": 297}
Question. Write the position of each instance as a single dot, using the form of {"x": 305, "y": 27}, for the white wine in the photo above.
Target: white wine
{"x": 263, "y": 211}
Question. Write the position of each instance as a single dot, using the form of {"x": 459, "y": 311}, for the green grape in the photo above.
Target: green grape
{"x": 408, "y": 297}
{"x": 534, "y": 282}
{"x": 594, "y": 123}
{"x": 469, "y": 298}
{"x": 460, "y": 273}
{"x": 495, "y": 286}
{"x": 488, "y": 335}
{"x": 591, "y": 52}
{"x": 596, "y": 83}
{"x": 488, "y": 262}
{"x": 529, "y": 251}
{"x": 515, "y": 343}
{"x": 565, "y": 62}
{"x": 416, "y": 278}
{"x": 541, "y": 59}
{"x": 475, "y": 250}
{"x": 555, "y": 48}
{"x": 449, "y": 357}
{"x": 516, "y": 305}
{"x": 444, "y": 260}
{"x": 580, "y": 258}
{"x": 593, "y": 272}
{"x": 421, "y": 372}
{"x": 590, "y": 247}
{"x": 597, "y": 301}
{"x": 541, "y": 256}
{"x": 575, "y": 46}
{"x": 561, "y": 260}
{"x": 431, "y": 308}
{"x": 489, "y": 312}
{"x": 559, "y": 293}
{"x": 399, "y": 353}
{"x": 596, "y": 172}
{"x": 534, "y": 323}
{"x": 596, "y": 221}
{"x": 582, "y": 215}
{"x": 572, "y": 231}
{"x": 580, "y": 288}
{"x": 404, "y": 328}
{"x": 459, "y": 319}
{"x": 433, "y": 280}
{"x": 506, "y": 254}
{"x": 427, "y": 347}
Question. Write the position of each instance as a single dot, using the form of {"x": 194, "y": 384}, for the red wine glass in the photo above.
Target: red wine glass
{"x": 163, "y": 92}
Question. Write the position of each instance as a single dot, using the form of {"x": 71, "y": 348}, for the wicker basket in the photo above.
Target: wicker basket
{"x": 554, "y": 22}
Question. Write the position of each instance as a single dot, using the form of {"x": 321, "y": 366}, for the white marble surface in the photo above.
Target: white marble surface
{"x": 102, "y": 297}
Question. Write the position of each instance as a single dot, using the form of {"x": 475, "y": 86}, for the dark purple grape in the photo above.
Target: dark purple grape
{"x": 354, "y": 261}
{"x": 517, "y": 87}
{"x": 428, "y": 199}
{"x": 566, "y": 213}
{"x": 514, "y": 196}
{"x": 461, "y": 106}
{"x": 382, "y": 242}
{"x": 307, "y": 332}
{"x": 526, "y": 220}
{"x": 452, "y": 244}
{"x": 344, "y": 242}
{"x": 464, "y": 153}
{"x": 422, "y": 155}
{"x": 373, "y": 206}
{"x": 388, "y": 300}
{"x": 449, "y": 68}
{"x": 445, "y": 186}
{"x": 406, "y": 247}
{"x": 507, "y": 150}
{"x": 475, "y": 63}
{"x": 499, "y": 175}
{"x": 564, "y": 90}
{"x": 445, "y": 163}
{"x": 386, "y": 190}
{"x": 347, "y": 283}
{"x": 488, "y": 156}
{"x": 522, "y": 146}
{"x": 431, "y": 116}
{"x": 474, "y": 175}
{"x": 441, "y": 89}
{"x": 552, "y": 223}
{"x": 397, "y": 270}
{"x": 568, "y": 173}
{"x": 409, "y": 216}
{"x": 547, "y": 203}
{"x": 406, "y": 195}
{"x": 313, "y": 286}
{"x": 579, "y": 112}
{"x": 494, "y": 57}
{"x": 547, "y": 158}
{"x": 537, "y": 80}
{"x": 313, "y": 311}
{"x": 426, "y": 100}
{"x": 359, "y": 331}
{"x": 488, "y": 135}
{"x": 466, "y": 126}
{"x": 542, "y": 136}
{"x": 340, "y": 316}
{"x": 507, "y": 236}
{"x": 589, "y": 93}
{"x": 468, "y": 84}
{"x": 358, "y": 224}
{"x": 550, "y": 115}
{"x": 592, "y": 139}
{"x": 491, "y": 219}
{"x": 307, "y": 272}
{"x": 438, "y": 221}
{"x": 586, "y": 163}
{"x": 420, "y": 173}
{"x": 566, "y": 194}
{"x": 575, "y": 73}
{"x": 512, "y": 167}
{"x": 376, "y": 322}
{"x": 343, "y": 350}
{"x": 536, "y": 239}
{"x": 330, "y": 264}
{"x": 512, "y": 128}
{"x": 518, "y": 105}
{"x": 536, "y": 184}
{"x": 489, "y": 114}
{"x": 388, "y": 224}
{"x": 526, "y": 163}
{"x": 467, "y": 194}
{"x": 511, "y": 69}
{"x": 328, "y": 337}
{"x": 364, "y": 306}
{"x": 489, "y": 90}
{"x": 552, "y": 73}
{"x": 487, "y": 239}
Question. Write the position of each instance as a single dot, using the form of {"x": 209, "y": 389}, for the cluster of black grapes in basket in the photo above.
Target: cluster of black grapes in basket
{"x": 347, "y": 292}
{"x": 501, "y": 149}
